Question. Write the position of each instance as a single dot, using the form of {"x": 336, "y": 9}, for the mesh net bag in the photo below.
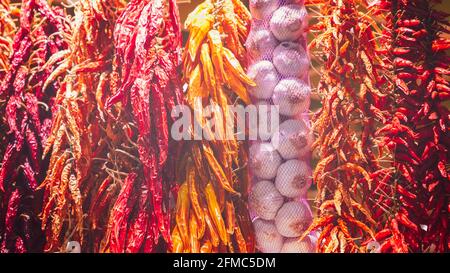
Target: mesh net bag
{"x": 279, "y": 159}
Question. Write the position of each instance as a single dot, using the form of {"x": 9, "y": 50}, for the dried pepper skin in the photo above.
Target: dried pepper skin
{"x": 411, "y": 203}
{"x": 345, "y": 124}
{"x": 11, "y": 214}
{"x": 28, "y": 111}
{"x": 120, "y": 214}
{"x": 147, "y": 39}
{"x": 212, "y": 214}
{"x": 182, "y": 215}
{"x": 215, "y": 212}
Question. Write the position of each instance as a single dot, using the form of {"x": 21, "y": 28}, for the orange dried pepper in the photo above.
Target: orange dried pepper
{"x": 182, "y": 213}
{"x": 194, "y": 198}
{"x": 216, "y": 214}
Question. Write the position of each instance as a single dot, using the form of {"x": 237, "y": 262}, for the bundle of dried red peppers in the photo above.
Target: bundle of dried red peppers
{"x": 86, "y": 94}
{"x": 84, "y": 139}
{"x": 41, "y": 34}
{"x": 147, "y": 37}
{"x": 351, "y": 102}
{"x": 412, "y": 199}
{"x": 382, "y": 176}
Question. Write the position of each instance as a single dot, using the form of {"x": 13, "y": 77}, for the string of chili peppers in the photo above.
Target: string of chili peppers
{"x": 413, "y": 195}
{"x": 29, "y": 106}
{"x": 147, "y": 40}
{"x": 345, "y": 126}
{"x": 211, "y": 214}
{"x": 82, "y": 135}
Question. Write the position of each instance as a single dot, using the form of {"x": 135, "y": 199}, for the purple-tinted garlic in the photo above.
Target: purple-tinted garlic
{"x": 279, "y": 156}
{"x": 260, "y": 43}
{"x": 265, "y": 200}
{"x": 292, "y": 219}
{"x": 268, "y": 239}
{"x": 293, "y": 139}
{"x": 264, "y": 74}
{"x": 262, "y": 9}
{"x": 287, "y": 22}
{"x": 293, "y": 245}
{"x": 293, "y": 178}
{"x": 264, "y": 160}
{"x": 292, "y": 96}
{"x": 291, "y": 60}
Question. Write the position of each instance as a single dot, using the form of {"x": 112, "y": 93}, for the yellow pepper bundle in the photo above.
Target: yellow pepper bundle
{"x": 211, "y": 213}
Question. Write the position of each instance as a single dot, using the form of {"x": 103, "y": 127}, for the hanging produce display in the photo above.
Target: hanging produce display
{"x": 345, "y": 126}
{"x": 29, "y": 105}
{"x": 126, "y": 128}
{"x": 82, "y": 133}
{"x": 211, "y": 212}
{"x": 280, "y": 161}
{"x": 148, "y": 86}
{"x": 412, "y": 196}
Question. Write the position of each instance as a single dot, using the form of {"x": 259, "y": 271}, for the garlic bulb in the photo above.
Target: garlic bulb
{"x": 293, "y": 139}
{"x": 292, "y": 96}
{"x": 260, "y": 43}
{"x": 287, "y": 22}
{"x": 293, "y": 245}
{"x": 268, "y": 239}
{"x": 262, "y": 9}
{"x": 293, "y": 178}
{"x": 293, "y": 218}
{"x": 264, "y": 160}
{"x": 291, "y": 60}
{"x": 264, "y": 74}
{"x": 265, "y": 200}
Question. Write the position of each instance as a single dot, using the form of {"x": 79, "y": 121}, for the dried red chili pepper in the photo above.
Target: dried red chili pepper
{"x": 119, "y": 216}
{"x": 10, "y": 217}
